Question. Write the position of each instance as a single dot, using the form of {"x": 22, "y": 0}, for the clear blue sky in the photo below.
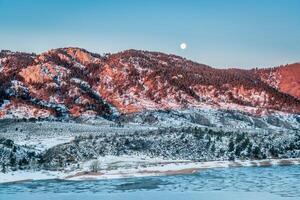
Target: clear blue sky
{"x": 244, "y": 33}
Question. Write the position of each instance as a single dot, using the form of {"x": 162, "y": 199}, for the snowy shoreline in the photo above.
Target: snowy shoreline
{"x": 113, "y": 167}
{"x": 61, "y": 150}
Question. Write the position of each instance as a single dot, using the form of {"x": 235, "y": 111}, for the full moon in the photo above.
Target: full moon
{"x": 183, "y": 45}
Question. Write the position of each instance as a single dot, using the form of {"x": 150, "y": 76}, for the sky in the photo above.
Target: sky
{"x": 231, "y": 33}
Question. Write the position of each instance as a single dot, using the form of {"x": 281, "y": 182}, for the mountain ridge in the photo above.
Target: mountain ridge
{"x": 74, "y": 82}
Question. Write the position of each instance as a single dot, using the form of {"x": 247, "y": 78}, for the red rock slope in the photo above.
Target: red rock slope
{"x": 285, "y": 78}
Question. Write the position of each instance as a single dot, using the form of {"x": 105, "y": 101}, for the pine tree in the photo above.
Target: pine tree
{"x": 231, "y": 145}
{"x": 3, "y": 170}
{"x": 12, "y": 160}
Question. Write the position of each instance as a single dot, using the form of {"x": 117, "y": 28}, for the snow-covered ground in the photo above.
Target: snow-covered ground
{"x": 46, "y": 134}
{"x": 217, "y": 119}
{"x": 112, "y": 167}
{"x": 134, "y": 166}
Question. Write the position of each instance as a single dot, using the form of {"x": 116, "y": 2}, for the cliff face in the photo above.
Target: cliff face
{"x": 73, "y": 82}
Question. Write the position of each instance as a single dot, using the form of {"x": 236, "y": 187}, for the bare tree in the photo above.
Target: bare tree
{"x": 95, "y": 166}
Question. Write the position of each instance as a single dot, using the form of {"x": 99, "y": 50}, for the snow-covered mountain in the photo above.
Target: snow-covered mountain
{"x": 72, "y": 82}
{"x": 154, "y": 105}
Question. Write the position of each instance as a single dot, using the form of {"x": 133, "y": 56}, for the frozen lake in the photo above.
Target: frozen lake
{"x": 279, "y": 182}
